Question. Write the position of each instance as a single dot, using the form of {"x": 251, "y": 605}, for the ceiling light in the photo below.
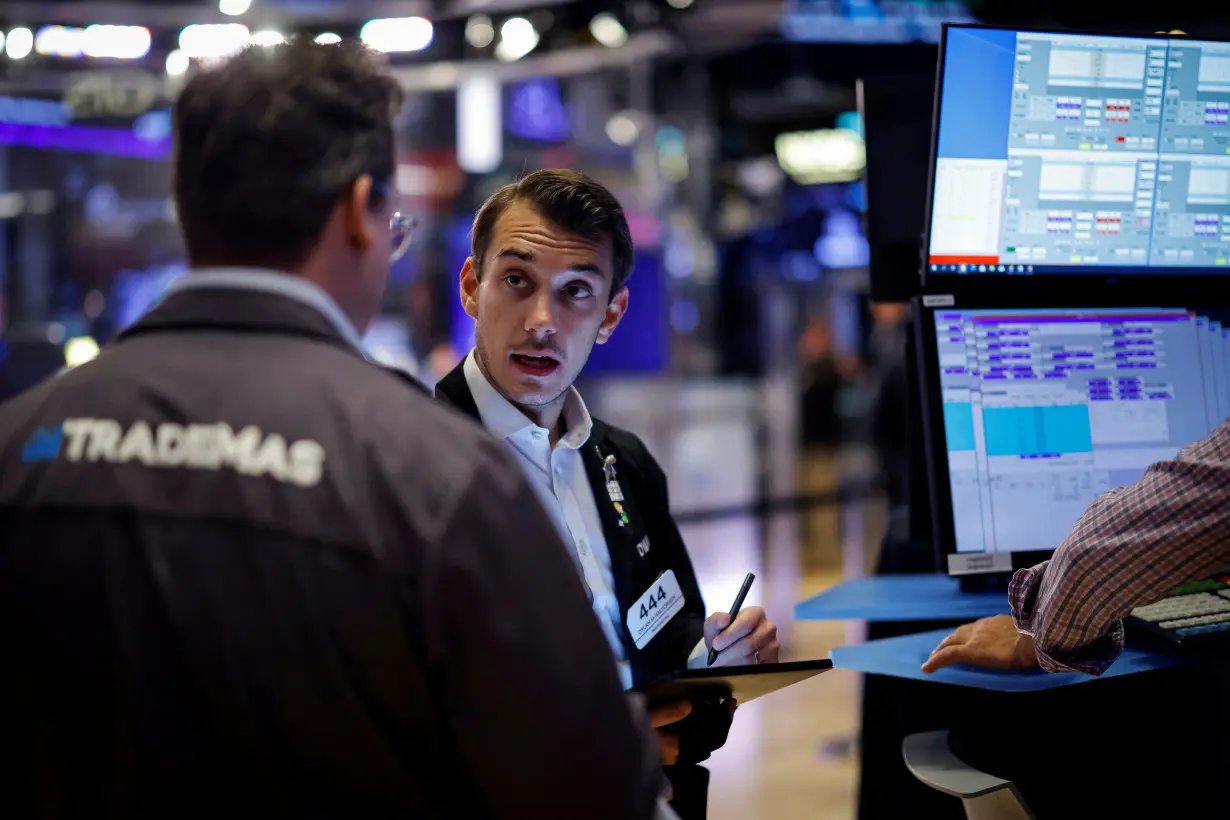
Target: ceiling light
{"x": 479, "y": 31}
{"x": 59, "y": 41}
{"x": 213, "y": 41}
{"x": 518, "y": 37}
{"x": 679, "y": 4}
{"x": 608, "y": 30}
{"x": 116, "y": 42}
{"x": 267, "y": 37}
{"x": 234, "y": 7}
{"x": 19, "y": 43}
{"x": 177, "y": 63}
{"x": 397, "y": 34}
{"x": 328, "y": 38}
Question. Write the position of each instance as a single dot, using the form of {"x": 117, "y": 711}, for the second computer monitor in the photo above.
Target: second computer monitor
{"x": 1077, "y": 153}
{"x": 1034, "y": 413}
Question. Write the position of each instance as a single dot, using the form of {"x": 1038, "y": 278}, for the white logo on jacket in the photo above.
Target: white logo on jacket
{"x": 212, "y": 446}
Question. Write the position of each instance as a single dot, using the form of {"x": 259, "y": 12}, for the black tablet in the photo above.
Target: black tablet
{"x": 743, "y": 683}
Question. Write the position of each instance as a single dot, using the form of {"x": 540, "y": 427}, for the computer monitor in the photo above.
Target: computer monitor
{"x": 1060, "y": 153}
{"x": 897, "y": 116}
{"x": 1032, "y": 413}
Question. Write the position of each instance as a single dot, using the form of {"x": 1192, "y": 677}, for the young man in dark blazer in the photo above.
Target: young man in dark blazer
{"x": 545, "y": 282}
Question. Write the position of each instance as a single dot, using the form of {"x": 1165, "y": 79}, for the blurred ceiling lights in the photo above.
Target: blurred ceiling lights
{"x": 213, "y": 41}
{"x": 480, "y": 32}
{"x": 177, "y": 63}
{"x": 393, "y": 34}
{"x": 507, "y": 39}
{"x": 607, "y": 30}
{"x": 234, "y": 7}
{"x": 267, "y": 37}
{"x": 19, "y": 43}
{"x": 518, "y": 37}
{"x": 102, "y": 42}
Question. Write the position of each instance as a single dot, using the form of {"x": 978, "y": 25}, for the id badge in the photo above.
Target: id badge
{"x": 653, "y": 610}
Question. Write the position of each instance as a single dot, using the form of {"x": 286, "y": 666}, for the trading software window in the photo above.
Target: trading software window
{"x": 1059, "y": 149}
{"x": 1045, "y": 410}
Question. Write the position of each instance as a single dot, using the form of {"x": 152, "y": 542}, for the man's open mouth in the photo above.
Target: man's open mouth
{"x": 534, "y": 365}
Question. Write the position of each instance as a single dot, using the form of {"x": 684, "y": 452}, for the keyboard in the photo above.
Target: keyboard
{"x": 1195, "y": 615}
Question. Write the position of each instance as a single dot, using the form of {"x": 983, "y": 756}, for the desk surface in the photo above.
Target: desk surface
{"x": 931, "y": 597}
{"x": 902, "y": 657}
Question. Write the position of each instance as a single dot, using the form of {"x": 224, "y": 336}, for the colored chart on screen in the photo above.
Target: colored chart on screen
{"x": 1045, "y": 410}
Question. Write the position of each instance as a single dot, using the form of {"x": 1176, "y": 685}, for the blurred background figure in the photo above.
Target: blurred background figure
{"x": 823, "y": 378}
{"x": 889, "y": 404}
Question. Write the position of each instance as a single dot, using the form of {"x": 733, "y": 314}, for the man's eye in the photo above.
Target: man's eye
{"x": 515, "y": 280}
{"x": 578, "y": 291}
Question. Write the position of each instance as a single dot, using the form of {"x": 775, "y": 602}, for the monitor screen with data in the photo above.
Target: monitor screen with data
{"x": 1044, "y": 410}
{"x": 1077, "y": 153}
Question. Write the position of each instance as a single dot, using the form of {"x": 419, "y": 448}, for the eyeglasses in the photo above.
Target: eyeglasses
{"x": 400, "y": 225}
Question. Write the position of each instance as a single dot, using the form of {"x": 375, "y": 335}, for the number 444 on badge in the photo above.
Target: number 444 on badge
{"x": 654, "y": 609}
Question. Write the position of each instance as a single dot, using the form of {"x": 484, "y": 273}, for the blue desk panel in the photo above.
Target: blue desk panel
{"x": 931, "y": 597}
{"x": 903, "y": 657}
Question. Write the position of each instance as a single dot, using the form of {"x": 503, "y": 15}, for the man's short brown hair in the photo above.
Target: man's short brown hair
{"x": 572, "y": 201}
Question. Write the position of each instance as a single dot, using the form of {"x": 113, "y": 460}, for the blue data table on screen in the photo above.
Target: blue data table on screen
{"x": 902, "y": 657}
{"x": 901, "y": 598}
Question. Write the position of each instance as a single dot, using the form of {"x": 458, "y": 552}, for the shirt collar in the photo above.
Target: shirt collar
{"x": 504, "y": 420}
{"x": 276, "y": 282}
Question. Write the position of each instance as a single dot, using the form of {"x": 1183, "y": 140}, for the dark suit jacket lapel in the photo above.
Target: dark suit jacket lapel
{"x": 619, "y": 539}
{"x": 455, "y": 390}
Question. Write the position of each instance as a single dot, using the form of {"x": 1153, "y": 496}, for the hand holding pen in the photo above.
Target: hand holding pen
{"x": 741, "y": 637}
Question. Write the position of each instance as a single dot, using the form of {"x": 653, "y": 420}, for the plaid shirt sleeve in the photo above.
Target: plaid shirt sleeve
{"x": 1133, "y": 546}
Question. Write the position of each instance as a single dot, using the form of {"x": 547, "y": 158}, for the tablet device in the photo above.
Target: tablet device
{"x": 743, "y": 683}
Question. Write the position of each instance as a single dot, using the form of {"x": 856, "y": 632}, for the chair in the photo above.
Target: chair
{"x": 984, "y": 796}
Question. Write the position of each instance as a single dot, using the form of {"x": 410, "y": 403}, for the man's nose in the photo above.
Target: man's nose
{"x": 541, "y": 317}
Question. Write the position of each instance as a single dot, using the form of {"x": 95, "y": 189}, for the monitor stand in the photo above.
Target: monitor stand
{"x": 985, "y": 582}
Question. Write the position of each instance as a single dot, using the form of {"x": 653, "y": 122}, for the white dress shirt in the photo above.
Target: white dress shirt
{"x": 558, "y": 476}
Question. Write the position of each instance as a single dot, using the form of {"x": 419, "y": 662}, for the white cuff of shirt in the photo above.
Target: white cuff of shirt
{"x": 699, "y": 658}
{"x": 664, "y": 812}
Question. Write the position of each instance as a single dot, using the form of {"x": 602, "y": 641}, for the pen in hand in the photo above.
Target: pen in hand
{"x": 734, "y": 610}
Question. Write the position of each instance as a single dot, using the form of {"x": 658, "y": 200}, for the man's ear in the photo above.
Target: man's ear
{"x": 614, "y": 312}
{"x": 469, "y": 287}
{"x": 355, "y": 212}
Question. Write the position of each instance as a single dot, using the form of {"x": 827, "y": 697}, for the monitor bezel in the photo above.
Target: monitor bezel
{"x": 1218, "y": 278}
{"x": 924, "y": 308}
